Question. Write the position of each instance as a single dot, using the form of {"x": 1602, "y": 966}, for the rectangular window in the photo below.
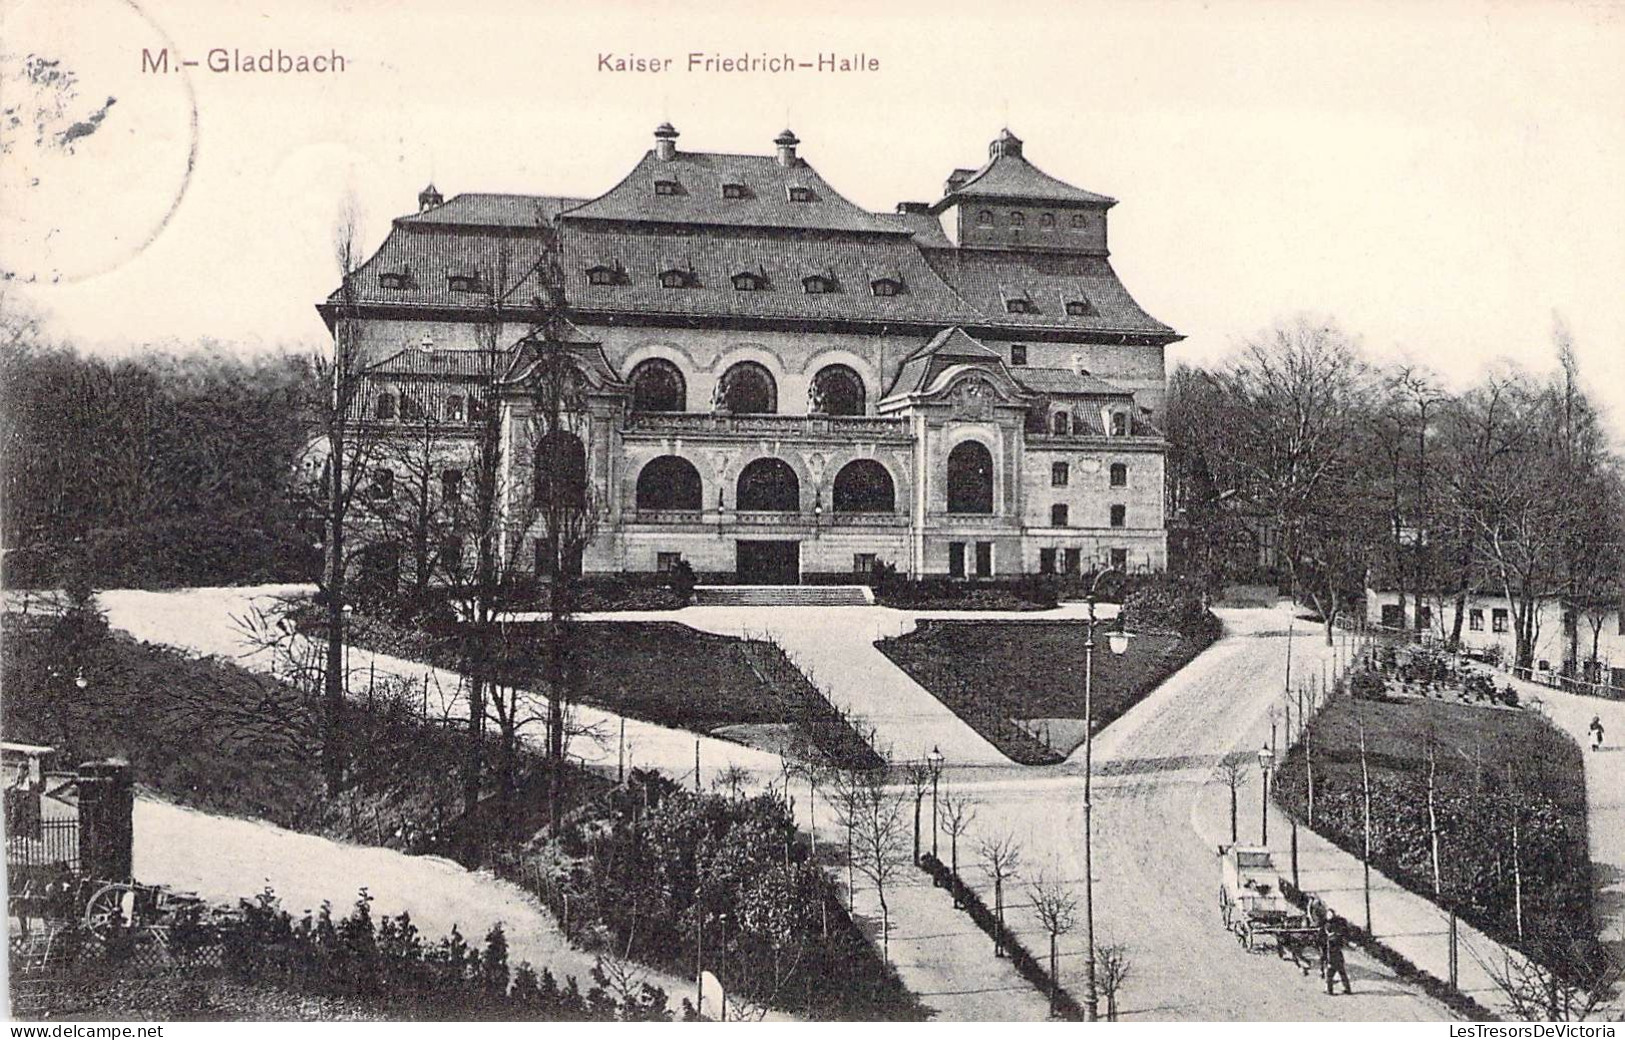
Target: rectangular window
{"x": 1570, "y": 623}
{"x": 1120, "y": 559}
{"x": 665, "y": 187}
{"x": 1119, "y": 424}
{"x": 1057, "y": 515}
{"x": 1498, "y": 619}
{"x": 1018, "y": 354}
{"x": 733, "y": 191}
{"x": 1392, "y": 616}
{"x": 956, "y": 559}
{"x": 1046, "y": 561}
{"x": 1616, "y": 678}
{"x": 1119, "y": 474}
{"x": 1424, "y": 616}
{"x": 1074, "y": 561}
{"x": 1059, "y": 473}
{"x": 1475, "y": 620}
{"x": 1119, "y": 516}
{"x": 863, "y": 563}
{"x": 665, "y": 562}
{"x": 984, "y": 559}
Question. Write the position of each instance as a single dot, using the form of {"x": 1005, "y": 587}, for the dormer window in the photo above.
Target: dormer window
{"x": 397, "y": 279}
{"x": 799, "y": 193}
{"x": 1019, "y": 306}
{"x": 817, "y": 284}
{"x": 462, "y": 281}
{"x": 603, "y": 275}
{"x": 733, "y": 190}
{"x": 1080, "y": 308}
{"x": 1018, "y": 354}
{"x": 666, "y": 188}
{"x": 886, "y": 286}
{"x": 674, "y": 279}
{"x": 749, "y": 281}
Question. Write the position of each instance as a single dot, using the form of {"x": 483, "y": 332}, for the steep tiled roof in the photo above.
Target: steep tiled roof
{"x": 426, "y": 257}
{"x": 699, "y": 199}
{"x": 479, "y": 209}
{"x": 987, "y": 279}
{"x": 1008, "y": 175}
{"x": 853, "y": 261}
{"x": 1065, "y": 381}
{"x": 928, "y": 232}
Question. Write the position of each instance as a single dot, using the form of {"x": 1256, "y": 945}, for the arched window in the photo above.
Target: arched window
{"x": 384, "y": 406}
{"x": 984, "y": 218}
{"x": 970, "y": 479}
{"x": 864, "y": 486}
{"x": 837, "y": 390}
{"x": 411, "y": 407}
{"x": 1047, "y": 221}
{"x": 561, "y": 472}
{"x": 1061, "y": 423}
{"x": 454, "y": 408}
{"x": 476, "y": 408}
{"x": 382, "y": 487}
{"x": 768, "y": 486}
{"x": 658, "y": 386}
{"x": 1018, "y": 219}
{"x": 748, "y": 389}
{"x": 1119, "y": 424}
{"x": 1119, "y": 474}
{"x": 669, "y": 482}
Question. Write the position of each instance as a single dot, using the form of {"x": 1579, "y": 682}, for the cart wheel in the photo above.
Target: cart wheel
{"x": 112, "y": 905}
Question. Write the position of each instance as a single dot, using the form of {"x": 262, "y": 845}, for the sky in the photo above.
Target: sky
{"x": 1443, "y": 179}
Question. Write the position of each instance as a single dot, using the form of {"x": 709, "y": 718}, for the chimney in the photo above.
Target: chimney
{"x": 956, "y": 180}
{"x": 665, "y": 142}
{"x": 914, "y": 207}
{"x": 787, "y": 142}
{"x": 429, "y": 198}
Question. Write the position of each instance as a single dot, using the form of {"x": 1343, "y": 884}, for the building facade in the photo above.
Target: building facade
{"x": 780, "y": 383}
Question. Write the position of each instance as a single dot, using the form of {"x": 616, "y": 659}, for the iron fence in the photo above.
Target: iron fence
{"x": 45, "y": 843}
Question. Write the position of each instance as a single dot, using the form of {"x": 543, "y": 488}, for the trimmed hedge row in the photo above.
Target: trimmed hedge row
{"x": 1027, "y": 966}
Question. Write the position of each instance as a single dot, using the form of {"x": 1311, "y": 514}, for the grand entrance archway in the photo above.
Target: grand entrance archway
{"x": 769, "y": 563}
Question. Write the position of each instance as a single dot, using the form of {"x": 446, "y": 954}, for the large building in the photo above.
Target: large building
{"x": 781, "y": 383}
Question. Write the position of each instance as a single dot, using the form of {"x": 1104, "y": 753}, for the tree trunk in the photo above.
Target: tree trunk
{"x": 917, "y": 798}
{"x": 333, "y": 678}
{"x": 1233, "y": 825}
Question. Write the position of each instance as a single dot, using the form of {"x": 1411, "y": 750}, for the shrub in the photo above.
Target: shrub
{"x": 681, "y": 581}
{"x": 1369, "y": 685}
{"x": 1170, "y": 605}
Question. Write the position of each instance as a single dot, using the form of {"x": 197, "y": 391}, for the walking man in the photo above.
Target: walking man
{"x": 1596, "y": 732}
{"x": 1335, "y": 965}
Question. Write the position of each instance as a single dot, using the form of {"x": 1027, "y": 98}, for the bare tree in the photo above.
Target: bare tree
{"x": 957, "y": 812}
{"x": 1231, "y": 771}
{"x": 1561, "y": 978}
{"x": 1001, "y": 862}
{"x": 1113, "y": 968}
{"x": 879, "y": 835}
{"x": 847, "y": 790}
{"x": 351, "y": 445}
{"x": 1057, "y": 909}
{"x": 919, "y": 781}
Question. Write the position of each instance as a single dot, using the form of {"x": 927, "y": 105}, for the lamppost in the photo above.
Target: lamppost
{"x": 1266, "y": 762}
{"x": 1117, "y": 641}
{"x": 934, "y": 760}
{"x": 344, "y": 635}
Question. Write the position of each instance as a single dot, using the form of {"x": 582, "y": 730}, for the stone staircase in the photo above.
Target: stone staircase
{"x": 783, "y": 596}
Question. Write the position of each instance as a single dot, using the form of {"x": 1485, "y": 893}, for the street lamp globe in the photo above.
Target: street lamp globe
{"x": 1266, "y": 758}
{"x": 1117, "y": 639}
{"x": 80, "y": 680}
{"x": 935, "y": 758}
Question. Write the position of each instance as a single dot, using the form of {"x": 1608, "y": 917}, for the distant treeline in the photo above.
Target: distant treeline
{"x": 154, "y": 469}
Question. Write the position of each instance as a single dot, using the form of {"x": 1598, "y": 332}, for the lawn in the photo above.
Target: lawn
{"x": 215, "y": 736}
{"x": 1021, "y": 683}
{"x": 657, "y": 671}
{"x": 1494, "y": 767}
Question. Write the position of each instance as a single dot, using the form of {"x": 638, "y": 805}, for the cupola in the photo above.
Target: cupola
{"x": 786, "y": 143}
{"x": 429, "y": 198}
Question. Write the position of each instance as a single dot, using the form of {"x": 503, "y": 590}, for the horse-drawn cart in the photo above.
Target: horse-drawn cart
{"x": 1255, "y": 908}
